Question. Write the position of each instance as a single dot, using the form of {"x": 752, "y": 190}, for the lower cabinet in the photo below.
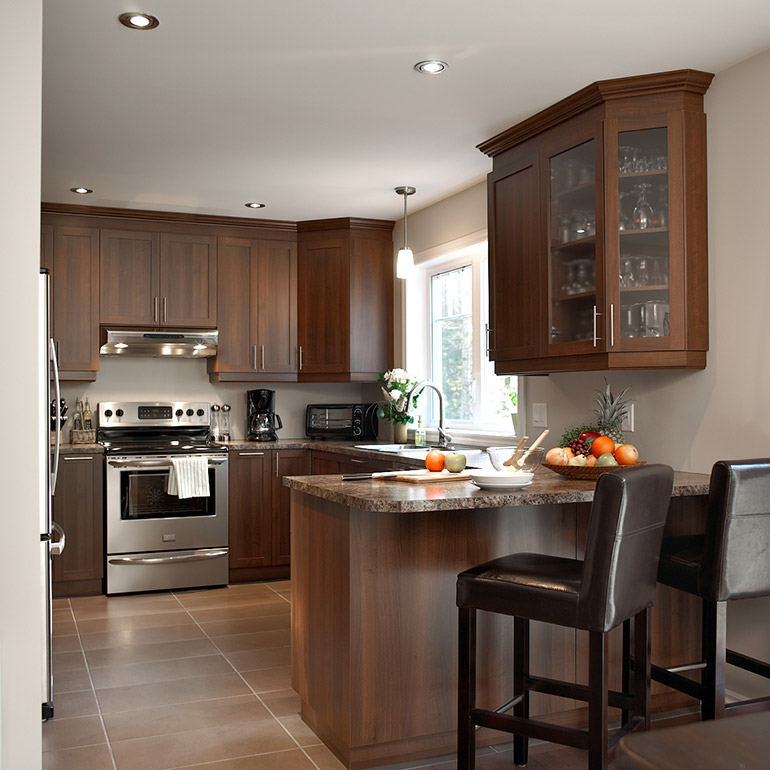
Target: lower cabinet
{"x": 260, "y": 511}
{"x": 331, "y": 463}
{"x": 78, "y": 510}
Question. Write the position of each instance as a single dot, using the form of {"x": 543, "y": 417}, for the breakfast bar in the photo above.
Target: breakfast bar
{"x": 374, "y": 621}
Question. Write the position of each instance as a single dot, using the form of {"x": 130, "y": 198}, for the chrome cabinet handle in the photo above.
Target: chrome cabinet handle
{"x": 59, "y": 545}
{"x": 612, "y": 325}
{"x": 300, "y": 357}
{"x": 262, "y": 348}
{"x": 595, "y": 316}
{"x": 251, "y": 454}
{"x": 487, "y": 330}
{"x": 277, "y": 454}
{"x": 254, "y": 351}
{"x": 155, "y": 309}
{"x": 77, "y": 457}
{"x": 165, "y": 310}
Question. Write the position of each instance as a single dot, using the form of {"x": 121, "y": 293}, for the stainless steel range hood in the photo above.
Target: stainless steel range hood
{"x": 172, "y": 343}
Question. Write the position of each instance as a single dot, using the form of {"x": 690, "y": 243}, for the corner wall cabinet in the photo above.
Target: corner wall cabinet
{"x": 256, "y": 311}
{"x": 259, "y": 510}
{"x": 345, "y": 299}
{"x": 598, "y": 230}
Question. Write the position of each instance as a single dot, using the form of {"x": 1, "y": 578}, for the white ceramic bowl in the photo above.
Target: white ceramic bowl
{"x": 490, "y": 479}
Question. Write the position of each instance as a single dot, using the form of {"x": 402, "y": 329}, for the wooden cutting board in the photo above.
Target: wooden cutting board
{"x": 433, "y": 477}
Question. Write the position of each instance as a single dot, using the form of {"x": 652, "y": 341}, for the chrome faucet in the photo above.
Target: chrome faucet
{"x": 443, "y": 437}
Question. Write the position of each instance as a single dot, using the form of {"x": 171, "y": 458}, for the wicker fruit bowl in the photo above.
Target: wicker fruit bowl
{"x": 584, "y": 473}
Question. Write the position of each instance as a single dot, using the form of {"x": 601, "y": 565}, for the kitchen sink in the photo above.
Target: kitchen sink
{"x": 474, "y": 457}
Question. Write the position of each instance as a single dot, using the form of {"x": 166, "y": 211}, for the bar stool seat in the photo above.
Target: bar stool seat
{"x": 730, "y": 561}
{"x": 614, "y": 584}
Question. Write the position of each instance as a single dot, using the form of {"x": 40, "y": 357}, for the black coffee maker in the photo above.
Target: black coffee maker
{"x": 262, "y": 419}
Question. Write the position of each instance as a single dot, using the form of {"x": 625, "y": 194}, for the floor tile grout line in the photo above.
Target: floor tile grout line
{"x": 96, "y": 695}
{"x": 256, "y": 695}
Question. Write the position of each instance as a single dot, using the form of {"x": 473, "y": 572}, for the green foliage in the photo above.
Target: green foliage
{"x": 573, "y": 433}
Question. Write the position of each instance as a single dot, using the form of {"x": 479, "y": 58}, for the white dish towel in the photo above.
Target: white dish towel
{"x": 189, "y": 477}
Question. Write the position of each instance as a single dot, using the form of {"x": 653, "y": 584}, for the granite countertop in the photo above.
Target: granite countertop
{"x": 389, "y": 496}
{"x": 82, "y": 449}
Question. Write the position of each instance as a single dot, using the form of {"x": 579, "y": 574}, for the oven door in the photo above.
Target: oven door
{"x": 142, "y": 517}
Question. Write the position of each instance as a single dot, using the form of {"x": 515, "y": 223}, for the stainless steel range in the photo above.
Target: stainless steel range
{"x": 157, "y": 540}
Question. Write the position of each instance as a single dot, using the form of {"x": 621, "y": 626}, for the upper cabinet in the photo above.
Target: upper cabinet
{"x": 345, "y": 299}
{"x": 256, "y": 310}
{"x": 71, "y": 255}
{"x": 598, "y": 230}
{"x": 158, "y": 279}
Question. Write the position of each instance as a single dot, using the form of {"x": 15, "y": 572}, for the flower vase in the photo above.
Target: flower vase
{"x": 399, "y": 433}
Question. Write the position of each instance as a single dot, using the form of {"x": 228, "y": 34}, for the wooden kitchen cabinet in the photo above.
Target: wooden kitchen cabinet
{"x": 345, "y": 300}
{"x": 71, "y": 255}
{"x": 158, "y": 279}
{"x": 256, "y": 311}
{"x": 598, "y": 230}
{"x": 259, "y": 511}
{"x": 78, "y": 510}
{"x": 325, "y": 462}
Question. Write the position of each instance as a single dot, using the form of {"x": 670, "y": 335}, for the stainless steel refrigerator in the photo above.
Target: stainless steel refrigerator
{"x": 49, "y": 466}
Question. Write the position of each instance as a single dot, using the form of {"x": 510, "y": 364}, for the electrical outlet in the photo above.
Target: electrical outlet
{"x": 539, "y": 415}
{"x": 628, "y": 421}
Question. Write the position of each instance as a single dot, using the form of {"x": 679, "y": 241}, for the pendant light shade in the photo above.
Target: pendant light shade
{"x": 405, "y": 260}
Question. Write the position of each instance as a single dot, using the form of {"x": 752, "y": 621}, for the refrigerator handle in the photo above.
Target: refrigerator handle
{"x": 57, "y": 449}
{"x": 58, "y": 546}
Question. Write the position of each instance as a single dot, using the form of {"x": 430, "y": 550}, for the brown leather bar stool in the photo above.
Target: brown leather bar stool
{"x": 730, "y": 561}
{"x": 614, "y": 584}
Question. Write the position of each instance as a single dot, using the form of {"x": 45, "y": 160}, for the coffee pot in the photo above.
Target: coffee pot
{"x": 262, "y": 421}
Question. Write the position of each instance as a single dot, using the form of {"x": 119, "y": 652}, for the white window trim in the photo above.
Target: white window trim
{"x": 417, "y": 330}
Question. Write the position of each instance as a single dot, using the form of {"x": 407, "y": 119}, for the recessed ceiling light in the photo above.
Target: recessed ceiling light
{"x": 136, "y": 20}
{"x": 80, "y": 190}
{"x": 431, "y": 67}
{"x": 254, "y": 205}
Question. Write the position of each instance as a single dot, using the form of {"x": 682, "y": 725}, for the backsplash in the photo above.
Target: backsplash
{"x": 136, "y": 379}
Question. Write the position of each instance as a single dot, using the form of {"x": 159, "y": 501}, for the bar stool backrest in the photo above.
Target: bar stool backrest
{"x": 736, "y": 558}
{"x": 623, "y": 546}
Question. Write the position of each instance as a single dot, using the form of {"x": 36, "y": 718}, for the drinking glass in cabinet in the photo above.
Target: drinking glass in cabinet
{"x": 643, "y": 214}
{"x": 631, "y": 319}
{"x": 656, "y": 319}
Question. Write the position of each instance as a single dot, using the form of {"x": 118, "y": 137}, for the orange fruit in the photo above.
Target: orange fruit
{"x": 602, "y": 445}
{"x": 627, "y": 454}
{"x": 434, "y": 460}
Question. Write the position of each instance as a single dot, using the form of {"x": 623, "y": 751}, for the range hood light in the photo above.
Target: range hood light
{"x": 120, "y": 345}
{"x": 171, "y": 343}
{"x": 199, "y": 346}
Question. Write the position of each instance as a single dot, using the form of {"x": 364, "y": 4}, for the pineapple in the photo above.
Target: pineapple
{"x": 610, "y": 414}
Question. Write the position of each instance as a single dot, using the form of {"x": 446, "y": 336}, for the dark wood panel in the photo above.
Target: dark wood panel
{"x": 75, "y": 297}
{"x": 286, "y": 462}
{"x": 277, "y": 307}
{"x": 236, "y": 311}
{"x": 78, "y": 510}
{"x": 129, "y": 277}
{"x": 324, "y": 306}
{"x": 250, "y": 503}
{"x": 188, "y": 276}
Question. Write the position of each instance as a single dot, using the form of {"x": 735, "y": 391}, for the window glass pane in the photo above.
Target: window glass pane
{"x": 452, "y": 334}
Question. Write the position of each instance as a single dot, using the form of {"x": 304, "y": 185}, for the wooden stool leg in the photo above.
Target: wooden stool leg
{"x": 466, "y": 689}
{"x": 597, "y": 701}
{"x": 713, "y": 647}
{"x": 520, "y": 674}
{"x": 642, "y": 669}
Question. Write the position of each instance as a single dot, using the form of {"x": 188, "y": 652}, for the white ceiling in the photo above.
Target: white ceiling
{"x": 313, "y": 106}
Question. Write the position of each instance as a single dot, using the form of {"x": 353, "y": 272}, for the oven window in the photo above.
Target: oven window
{"x": 143, "y": 496}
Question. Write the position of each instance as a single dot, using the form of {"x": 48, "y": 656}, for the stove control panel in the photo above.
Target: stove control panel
{"x": 168, "y": 414}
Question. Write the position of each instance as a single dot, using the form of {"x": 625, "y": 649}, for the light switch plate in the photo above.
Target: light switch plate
{"x": 539, "y": 415}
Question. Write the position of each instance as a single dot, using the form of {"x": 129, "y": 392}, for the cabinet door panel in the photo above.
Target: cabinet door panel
{"x": 77, "y": 509}
{"x": 515, "y": 261}
{"x": 188, "y": 274}
{"x": 286, "y": 462}
{"x": 277, "y": 293}
{"x": 75, "y": 292}
{"x": 236, "y": 314}
{"x": 250, "y": 515}
{"x": 129, "y": 277}
{"x": 324, "y": 306}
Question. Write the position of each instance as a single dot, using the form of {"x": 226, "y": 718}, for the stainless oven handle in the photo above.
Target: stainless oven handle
{"x": 155, "y": 463}
{"x": 209, "y": 553}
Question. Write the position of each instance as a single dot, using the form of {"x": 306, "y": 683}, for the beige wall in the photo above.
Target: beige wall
{"x": 20, "y": 582}
{"x": 689, "y": 419}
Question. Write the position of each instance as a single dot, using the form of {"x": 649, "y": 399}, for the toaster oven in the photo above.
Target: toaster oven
{"x": 341, "y": 421}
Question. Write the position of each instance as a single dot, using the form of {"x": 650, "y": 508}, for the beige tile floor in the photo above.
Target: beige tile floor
{"x": 195, "y": 679}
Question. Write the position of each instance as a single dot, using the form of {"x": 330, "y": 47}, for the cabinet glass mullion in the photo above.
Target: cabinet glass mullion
{"x": 572, "y": 252}
{"x": 643, "y": 233}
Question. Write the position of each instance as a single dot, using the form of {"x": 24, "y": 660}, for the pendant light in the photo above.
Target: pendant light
{"x": 405, "y": 261}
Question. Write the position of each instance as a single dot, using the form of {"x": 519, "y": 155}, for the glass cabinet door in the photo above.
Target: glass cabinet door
{"x": 643, "y": 233}
{"x": 572, "y": 253}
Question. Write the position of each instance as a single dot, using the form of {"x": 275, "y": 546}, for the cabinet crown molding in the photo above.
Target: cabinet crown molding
{"x": 597, "y": 94}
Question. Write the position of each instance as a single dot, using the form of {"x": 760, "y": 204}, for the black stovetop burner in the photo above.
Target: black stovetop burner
{"x": 127, "y": 441}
